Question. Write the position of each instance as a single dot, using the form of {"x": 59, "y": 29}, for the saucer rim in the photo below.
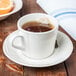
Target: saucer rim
{"x": 30, "y": 65}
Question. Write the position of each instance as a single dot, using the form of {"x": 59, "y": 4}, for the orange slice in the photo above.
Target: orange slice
{"x": 5, "y": 6}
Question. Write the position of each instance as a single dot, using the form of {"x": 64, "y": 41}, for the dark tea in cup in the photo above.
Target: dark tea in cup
{"x": 35, "y": 26}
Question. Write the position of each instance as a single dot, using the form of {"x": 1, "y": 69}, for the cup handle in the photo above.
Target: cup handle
{"x": 22, "y": 46}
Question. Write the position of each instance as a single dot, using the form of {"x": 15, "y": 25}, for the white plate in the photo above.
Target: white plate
{"x": 18, "y": 6}
{"x": 50, "y": 6}
{"x": 64, "y": 50}
{"x": 67, "y": 20}
{"x": 64, "y": 11}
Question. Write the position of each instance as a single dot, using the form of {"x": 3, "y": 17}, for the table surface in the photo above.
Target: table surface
{"x": 9, "y": 68}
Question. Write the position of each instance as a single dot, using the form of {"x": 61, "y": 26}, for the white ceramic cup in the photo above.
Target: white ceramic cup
{"x": 37, "y": 45}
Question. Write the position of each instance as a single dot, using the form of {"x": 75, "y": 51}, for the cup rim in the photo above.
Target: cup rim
{"x": 19, "y": 28}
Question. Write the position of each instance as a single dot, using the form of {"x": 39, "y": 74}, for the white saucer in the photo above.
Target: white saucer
{"x": 64, "y": 50}
{"x": 18, "y": 6}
